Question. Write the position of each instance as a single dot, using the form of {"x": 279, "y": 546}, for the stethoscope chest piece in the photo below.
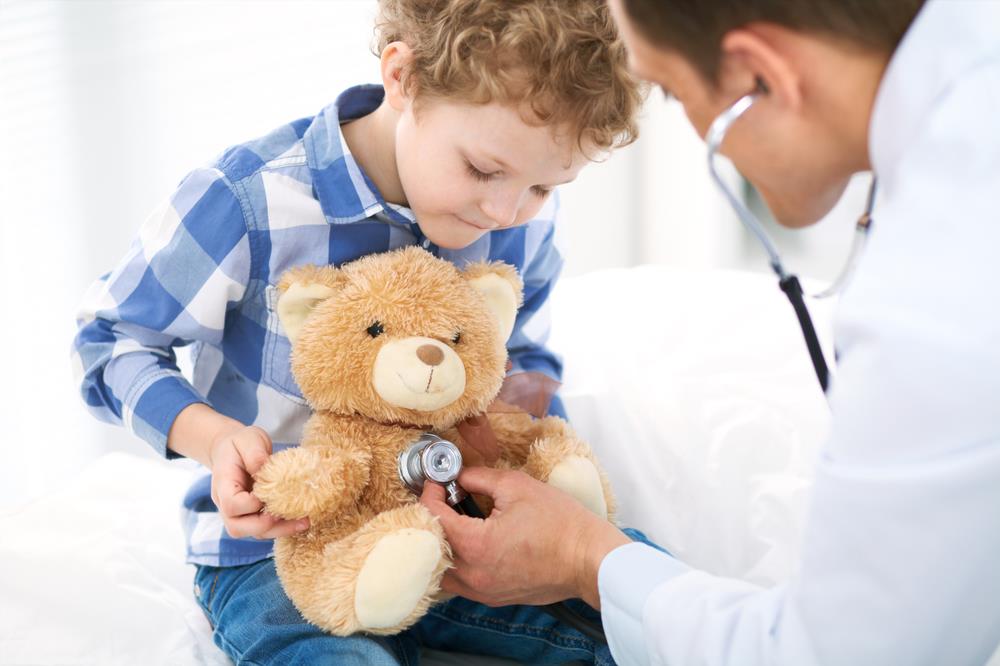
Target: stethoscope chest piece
{"x": 432, "y": 458}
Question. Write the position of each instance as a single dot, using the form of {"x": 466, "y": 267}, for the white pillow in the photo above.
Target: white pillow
{"x": 696, "y": 391}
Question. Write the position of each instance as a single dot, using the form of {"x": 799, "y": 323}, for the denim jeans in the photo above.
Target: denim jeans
{"x": 255, "y": 623}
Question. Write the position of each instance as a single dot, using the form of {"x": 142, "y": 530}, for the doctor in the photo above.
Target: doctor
{"x": 901, "y": 556}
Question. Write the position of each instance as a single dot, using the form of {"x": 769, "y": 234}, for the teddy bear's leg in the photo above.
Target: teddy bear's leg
{"x": 568, "y": 464}
{"x": 381, "y": 578}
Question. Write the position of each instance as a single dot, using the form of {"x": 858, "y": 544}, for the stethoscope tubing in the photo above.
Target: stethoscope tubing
{"x": 788, "y": 282}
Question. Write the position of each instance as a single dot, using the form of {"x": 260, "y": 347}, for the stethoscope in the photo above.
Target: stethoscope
{"x": 788, "y": 282}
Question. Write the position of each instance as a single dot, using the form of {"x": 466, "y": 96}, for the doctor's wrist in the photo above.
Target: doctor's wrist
{"x": 597, "y": 538}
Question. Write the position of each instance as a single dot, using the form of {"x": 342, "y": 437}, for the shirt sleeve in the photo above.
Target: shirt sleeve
{"x": 187, "y": 268}
{"x": 542, "y": 266}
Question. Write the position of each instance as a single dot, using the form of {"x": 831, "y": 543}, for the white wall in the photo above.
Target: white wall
{"x": 105, "y": 105}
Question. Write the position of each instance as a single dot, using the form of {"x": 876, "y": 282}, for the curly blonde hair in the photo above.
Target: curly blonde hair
{"x": 562, "y": 60}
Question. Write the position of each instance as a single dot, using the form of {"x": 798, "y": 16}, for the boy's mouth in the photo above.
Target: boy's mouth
{"x": 472, "y": 224}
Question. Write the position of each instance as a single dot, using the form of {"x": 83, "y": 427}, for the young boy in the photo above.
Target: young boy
{"x": 484, "y": 108}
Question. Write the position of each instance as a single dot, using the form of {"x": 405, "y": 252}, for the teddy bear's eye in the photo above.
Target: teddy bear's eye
{"x": 376, "y": 329}
{"x": 457, "y": 338}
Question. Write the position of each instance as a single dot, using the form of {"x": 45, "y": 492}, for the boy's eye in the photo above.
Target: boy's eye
{"x": 484, "y": 177}
{"x": 457, "y": 338}
{"x": 376, "y": 329}
{"x": 477, "y": 174}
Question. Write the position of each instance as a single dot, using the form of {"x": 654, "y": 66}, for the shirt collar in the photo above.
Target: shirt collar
{"x": 946, "y": 39}
{"x": 345, "y": 192}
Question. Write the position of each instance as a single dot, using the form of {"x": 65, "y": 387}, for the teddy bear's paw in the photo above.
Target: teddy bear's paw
{"x": 579, "y": 477}
{"x": 398, "y": 574}
{"x": 566, "y": 463}
{"x": 308, "y": 481}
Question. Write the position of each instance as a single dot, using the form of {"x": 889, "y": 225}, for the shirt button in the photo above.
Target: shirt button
{"x": 426, "y": 243}
{"x": 197, "y": 590}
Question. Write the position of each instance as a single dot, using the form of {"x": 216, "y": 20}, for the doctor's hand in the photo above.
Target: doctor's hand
{"x": 538, "y": 546}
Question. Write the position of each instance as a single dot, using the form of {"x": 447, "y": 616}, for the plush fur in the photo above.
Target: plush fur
{"x": 384, "y": 349}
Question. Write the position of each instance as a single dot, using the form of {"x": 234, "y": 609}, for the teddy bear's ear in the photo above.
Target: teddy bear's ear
{"x": 501, "y": 287}
{"x": 302, "y": 289}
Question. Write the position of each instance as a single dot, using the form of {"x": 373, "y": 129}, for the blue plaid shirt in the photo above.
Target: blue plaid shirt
{"x": 202, "y": 272}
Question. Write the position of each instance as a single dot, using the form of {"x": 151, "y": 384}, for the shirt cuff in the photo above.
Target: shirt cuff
{"x": 152, "y": 413}
{"x": 627, "y": 577}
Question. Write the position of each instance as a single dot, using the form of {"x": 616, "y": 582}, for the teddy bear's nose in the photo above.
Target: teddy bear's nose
{"x": 430, "y": 354}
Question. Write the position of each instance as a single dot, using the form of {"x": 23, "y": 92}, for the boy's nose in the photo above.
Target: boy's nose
{"x": 502, "y": 212}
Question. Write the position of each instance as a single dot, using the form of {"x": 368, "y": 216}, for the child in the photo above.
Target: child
{"x": 484, "y": 108}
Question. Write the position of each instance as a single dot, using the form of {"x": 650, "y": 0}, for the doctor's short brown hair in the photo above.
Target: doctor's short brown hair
{"x": 561, "y": 60}
{"x": 694, "y": 28}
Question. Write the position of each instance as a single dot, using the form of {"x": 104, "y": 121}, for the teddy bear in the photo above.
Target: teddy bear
{"x": 385, "y": 349}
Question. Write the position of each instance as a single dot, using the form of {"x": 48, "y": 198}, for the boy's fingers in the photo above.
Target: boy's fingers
{"x": 263, "y": 526}
{"x": 254, "y": 448}
{"x": 232, "y": 495}
{"x": 244, "y": 503}
{"x": 284, "y": 528}
{"x": 255, "y": 459}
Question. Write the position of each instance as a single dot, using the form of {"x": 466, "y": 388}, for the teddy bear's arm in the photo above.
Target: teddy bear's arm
{"x": 516, "y": 432}
{"x": 311, "y": 480}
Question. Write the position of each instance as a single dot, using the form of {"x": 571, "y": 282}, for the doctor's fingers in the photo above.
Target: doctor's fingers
{"x": 460, "y": 530}
{"x": 481, "y": 585}
{"x": 452, "y": 585}
{"x": 489, "y": 481}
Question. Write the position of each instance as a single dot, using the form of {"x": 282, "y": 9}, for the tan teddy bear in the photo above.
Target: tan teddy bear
{"x": 387, "y": 348}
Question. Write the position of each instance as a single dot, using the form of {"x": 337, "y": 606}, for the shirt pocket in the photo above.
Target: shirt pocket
{"x": 277, "y": 362}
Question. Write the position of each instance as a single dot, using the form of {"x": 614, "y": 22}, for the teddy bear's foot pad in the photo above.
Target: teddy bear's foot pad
{"x": 395, "y": 576}
{"x": 577, "y": 476}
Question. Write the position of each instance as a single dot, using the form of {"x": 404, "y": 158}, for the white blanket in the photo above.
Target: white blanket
{"x": 694, "y": 389}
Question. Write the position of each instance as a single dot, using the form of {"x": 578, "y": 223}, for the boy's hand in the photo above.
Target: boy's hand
{"x": 234, "y": 457}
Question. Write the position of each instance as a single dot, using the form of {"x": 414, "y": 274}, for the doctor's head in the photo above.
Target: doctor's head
{"x": 818, "y": 65}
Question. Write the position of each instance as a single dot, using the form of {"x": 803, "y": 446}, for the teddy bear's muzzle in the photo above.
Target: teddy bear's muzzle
{"x": 418, "y": 373}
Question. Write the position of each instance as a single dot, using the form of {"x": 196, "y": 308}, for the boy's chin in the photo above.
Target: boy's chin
{"x": 453, "y": 238}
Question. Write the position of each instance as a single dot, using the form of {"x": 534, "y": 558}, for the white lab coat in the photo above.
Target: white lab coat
{"x": 901, "y": 554}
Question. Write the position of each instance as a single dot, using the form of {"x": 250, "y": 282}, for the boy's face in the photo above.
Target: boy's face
{"x": 786, "y": 146}
{"x": 469, "y": 169}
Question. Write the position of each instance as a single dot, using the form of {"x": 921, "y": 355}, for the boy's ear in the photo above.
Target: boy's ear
{"x": 302, "y": 289}
{"x": 500, "y": 285}
{"x": 395, "y": 62}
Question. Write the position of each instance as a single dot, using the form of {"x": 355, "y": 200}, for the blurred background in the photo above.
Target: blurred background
{"x": 106, "y": 104}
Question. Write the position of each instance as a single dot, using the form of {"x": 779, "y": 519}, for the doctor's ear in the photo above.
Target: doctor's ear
{"x": 762, "y": 57}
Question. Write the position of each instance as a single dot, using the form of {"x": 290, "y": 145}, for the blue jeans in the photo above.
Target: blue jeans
{"x": 255, "y": 623}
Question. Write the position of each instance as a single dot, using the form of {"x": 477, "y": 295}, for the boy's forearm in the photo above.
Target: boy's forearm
{"x": 194, "y": 430}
